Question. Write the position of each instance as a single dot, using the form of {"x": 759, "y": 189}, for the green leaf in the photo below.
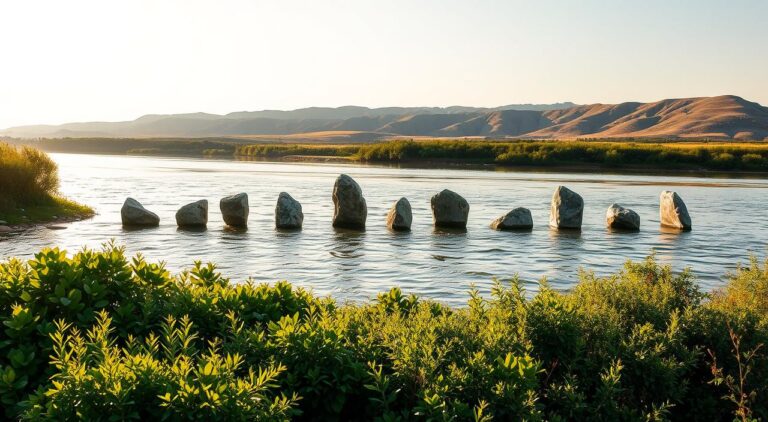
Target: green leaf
{"x": 75, "y": 295}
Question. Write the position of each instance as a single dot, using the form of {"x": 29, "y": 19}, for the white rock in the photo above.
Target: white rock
{"x": 566, "y": 209}
{"x": 399, "y": 216}
{"x": 673, "y": 212}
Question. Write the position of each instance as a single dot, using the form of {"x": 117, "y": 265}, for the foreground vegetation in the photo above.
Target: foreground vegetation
{"x": 29, "y": 184}
{"x": 95, "y": 336}
{"x": 641, "y": 155}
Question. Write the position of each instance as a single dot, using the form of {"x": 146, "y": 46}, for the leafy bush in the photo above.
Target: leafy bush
{"x": 96, "y": 336}
{"x": 724, "y": 160}
{"x": 158, "y": 376}
{"x": 753, "y": 160}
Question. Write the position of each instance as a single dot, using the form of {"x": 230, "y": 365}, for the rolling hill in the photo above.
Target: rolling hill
{"x": 721, "y": 117}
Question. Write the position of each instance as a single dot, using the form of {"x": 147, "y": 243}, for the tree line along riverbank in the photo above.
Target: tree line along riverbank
{"x": 619, "y": 154}
{"x": 632, "y": 154}
{"x": 97, "y": 334}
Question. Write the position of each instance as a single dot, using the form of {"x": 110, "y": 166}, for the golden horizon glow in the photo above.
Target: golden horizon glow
{"x": 85, "y": 60}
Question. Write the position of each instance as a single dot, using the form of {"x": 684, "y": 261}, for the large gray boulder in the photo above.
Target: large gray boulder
{"x": 349, "y": 208}
{"x": 288, "y": 214}
{"x": 399, "y": 217}
{"x": 618, "y": 217}
{"x": 566, "y": 209}
{"x": 673, "y": 212}
{"x": 450, "y": 210}
{"x": 234, "y": 210}
{"x": 194, "y": 214}
{"x": 134, "y": 214}
{"x": 517, "y": 219}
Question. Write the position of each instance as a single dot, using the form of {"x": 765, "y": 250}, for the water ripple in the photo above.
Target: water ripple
{"x": 728, "y": 217}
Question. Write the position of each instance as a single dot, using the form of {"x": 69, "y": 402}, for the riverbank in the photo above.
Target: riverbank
{"x": 97, "y": 333}
{"x": 633, "y": 156}
{"x": 29, "y": 195}
{"x": 57, "y": 210}
{"x": 595, "y": 168}
{"x": 178, "y": 147}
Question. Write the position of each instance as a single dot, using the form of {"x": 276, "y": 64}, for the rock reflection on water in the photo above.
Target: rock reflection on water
{"x": 348, "y": 244}
{"x": 438, "y": 263}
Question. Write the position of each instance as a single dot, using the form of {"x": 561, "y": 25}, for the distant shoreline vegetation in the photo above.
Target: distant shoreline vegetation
{"x": 29, "y": 185}
{"x": 617, "y": 154}
{"x": 137, "y": 146}
{"x": 629, "y": 154}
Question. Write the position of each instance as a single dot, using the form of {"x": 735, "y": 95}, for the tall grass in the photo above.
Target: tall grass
{"x": 27, "y": 176}
{"x": 29, "y": 184}
{"x": 96, "y": 336}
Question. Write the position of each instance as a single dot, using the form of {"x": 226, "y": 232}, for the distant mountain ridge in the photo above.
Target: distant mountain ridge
{"x": 724, "y": 117}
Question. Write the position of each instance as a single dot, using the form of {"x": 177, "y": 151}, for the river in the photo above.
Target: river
{"x": 729, "y": 222}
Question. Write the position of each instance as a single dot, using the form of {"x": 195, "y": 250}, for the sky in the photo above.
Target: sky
{"x": 77, "y": 60}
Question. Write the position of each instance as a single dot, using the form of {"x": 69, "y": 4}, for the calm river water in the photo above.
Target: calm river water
{"x": 729, "y": 222}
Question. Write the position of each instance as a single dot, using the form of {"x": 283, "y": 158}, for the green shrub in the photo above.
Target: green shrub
{"x": 724, "y": 160}
{"x": 753, "y": 160}
{"x": 97, "y": 336}
{"x": 160, "y": 376}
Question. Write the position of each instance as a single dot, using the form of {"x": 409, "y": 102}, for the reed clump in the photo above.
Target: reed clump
{"x": 29, "y": 184}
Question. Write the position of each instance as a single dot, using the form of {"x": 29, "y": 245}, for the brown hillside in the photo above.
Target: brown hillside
{"x": 723, "y": 117}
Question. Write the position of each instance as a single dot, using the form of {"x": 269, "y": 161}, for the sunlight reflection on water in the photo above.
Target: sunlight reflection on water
{"x": 729, "y": 222}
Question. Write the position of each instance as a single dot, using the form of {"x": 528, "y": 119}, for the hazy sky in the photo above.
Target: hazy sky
{"x": 79, "y": 60}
